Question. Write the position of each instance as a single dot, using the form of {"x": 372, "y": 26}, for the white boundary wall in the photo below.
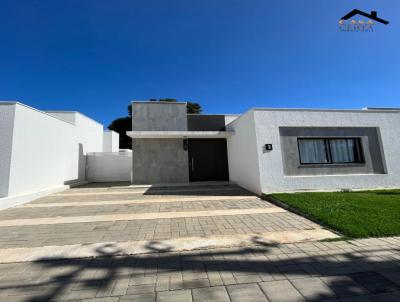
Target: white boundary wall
{"x": 109, "y": 166}
{"x": 46, "y": 152}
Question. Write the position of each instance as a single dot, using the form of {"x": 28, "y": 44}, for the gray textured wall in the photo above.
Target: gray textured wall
{"x": 159, "y": 160}
{"x": 159, "y": 116}
{"x": 370, "y": 144}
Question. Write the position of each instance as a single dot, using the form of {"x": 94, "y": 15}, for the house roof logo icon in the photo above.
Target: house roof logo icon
{"x": 372, "y": 16}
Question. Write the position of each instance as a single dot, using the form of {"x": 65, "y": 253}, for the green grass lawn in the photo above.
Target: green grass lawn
{"x": 354, "y": 214}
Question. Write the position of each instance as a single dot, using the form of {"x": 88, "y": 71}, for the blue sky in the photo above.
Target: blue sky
{"x": 96, "y": 56}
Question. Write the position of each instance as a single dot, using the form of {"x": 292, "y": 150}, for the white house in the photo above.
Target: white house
{"x": 263, "y": 150}
{"x": 267, "y": 150}
{"x": 315, "y": 149}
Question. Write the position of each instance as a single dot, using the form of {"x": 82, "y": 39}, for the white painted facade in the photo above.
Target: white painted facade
{"x": 242, "y": 153}
{"x": 262, "y": 171}
{"x": 43, "y": 151}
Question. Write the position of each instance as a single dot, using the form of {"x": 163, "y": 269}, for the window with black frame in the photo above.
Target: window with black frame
{"x": 330, "y": 150}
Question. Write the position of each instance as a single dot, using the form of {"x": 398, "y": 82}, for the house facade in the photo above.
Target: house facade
{"x": 267, "y": 150}
{"x": 263, "y": 150}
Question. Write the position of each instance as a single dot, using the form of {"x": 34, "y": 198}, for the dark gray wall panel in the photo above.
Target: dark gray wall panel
{"x": 206, "y": 122}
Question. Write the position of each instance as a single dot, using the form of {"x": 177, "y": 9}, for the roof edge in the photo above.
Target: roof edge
{"x": 328, "y": 110}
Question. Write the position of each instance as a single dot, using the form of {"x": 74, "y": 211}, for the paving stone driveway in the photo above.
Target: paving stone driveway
{"x": 61, "y": 225}
{"x": 122, "y": 214}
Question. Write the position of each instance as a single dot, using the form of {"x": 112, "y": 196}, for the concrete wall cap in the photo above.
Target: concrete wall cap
{"x": 9, "y": 102}
{"x": 74, "y": 112}
{"x": 157, "y": 102}
{"x": 34, "y": 109}
{"x": 326, "y": 110}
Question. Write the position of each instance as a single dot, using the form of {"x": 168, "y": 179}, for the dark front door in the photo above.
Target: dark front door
{"x": 208, "y": 159}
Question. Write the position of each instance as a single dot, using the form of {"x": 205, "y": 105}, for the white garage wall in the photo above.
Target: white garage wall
{"x": 109, "y": 166}
{"x": 243, "y": 153}
{"x": 44, "y": 152}
{"x": 268, "y": 121}
{"x": 48, "y": 152}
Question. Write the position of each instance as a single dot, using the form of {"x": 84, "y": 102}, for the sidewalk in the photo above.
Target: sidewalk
{"x": 358, "y": 270}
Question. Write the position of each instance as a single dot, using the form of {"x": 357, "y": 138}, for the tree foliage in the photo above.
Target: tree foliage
{"x": 123, "y": 124}
{"x": 193, "y": 108}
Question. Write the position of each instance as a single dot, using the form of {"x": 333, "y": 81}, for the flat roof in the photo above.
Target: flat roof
{"x": 179, "y": 134}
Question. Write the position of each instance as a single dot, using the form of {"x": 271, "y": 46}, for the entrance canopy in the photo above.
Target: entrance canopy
{"x": 179, "y": 134}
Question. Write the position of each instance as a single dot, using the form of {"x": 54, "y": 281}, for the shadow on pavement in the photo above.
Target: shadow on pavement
{"x": 345, "y": 273}
{"x": 189, "y": 190}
